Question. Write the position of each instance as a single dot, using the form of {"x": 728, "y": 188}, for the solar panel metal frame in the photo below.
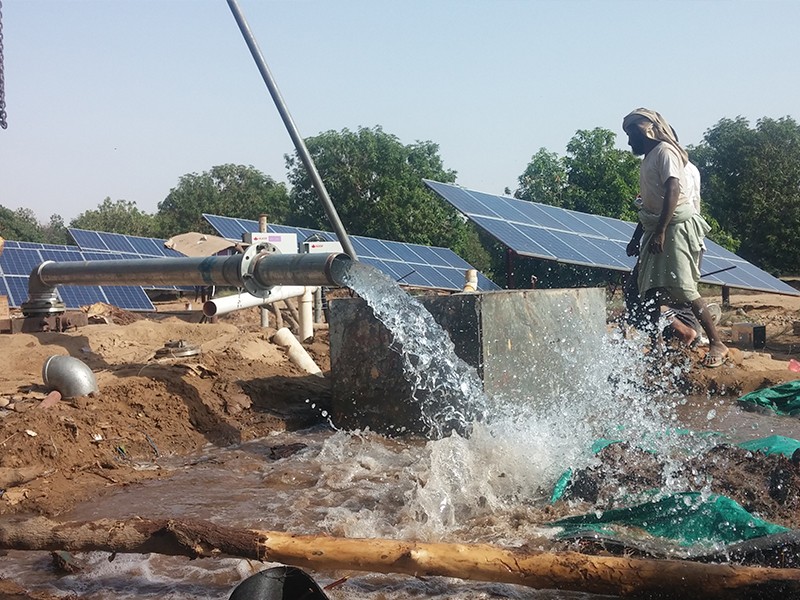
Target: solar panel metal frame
{"x": 423, "y": 266}
{"x": 600, "y": 243}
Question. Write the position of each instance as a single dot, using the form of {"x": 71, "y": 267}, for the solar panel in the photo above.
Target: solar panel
{"x": 18, "y": 259}
{"x": 409, "y": 264}
{"x": 104, "y": 245}
{"x": 552, "y": 233}
{"x": 137, "y": 246}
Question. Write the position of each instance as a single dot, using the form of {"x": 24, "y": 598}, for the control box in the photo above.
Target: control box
{"x": 286, "y": 243}
{"x": 749, "y": 335}
{"x": 321, "y": 247}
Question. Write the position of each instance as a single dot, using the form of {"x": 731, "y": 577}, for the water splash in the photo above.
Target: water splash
{"x": 447, "y": 390}
{"x": 594, "y": 385}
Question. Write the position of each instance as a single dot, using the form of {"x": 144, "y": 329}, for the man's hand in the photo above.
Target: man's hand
{"x": 657, "y": 243}
{"x": 632, "y": 249}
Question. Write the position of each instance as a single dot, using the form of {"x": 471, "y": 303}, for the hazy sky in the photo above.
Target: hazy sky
{"x": 120, "y": 98}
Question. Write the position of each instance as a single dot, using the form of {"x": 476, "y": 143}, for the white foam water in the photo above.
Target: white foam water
{"x": 446, "y": 388}
{"x": 517, "y": 448}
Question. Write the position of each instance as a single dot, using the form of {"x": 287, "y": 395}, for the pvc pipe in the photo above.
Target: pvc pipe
{"x": 226, "y": 304}
{"x": 307, "y": 314}
{"x": 471, "y": 280}
{"x": 297, "y": 354}
{"x": 318, "y": 305}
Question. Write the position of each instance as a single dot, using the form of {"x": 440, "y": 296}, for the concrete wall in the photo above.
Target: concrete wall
{"x": 521, "y": 342}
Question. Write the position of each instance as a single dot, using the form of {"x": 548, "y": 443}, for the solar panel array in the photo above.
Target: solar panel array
{"x": 121, "y": 246}
{"x": 552, "y": 233}
{"x": 18, "y": 259}
{"x": 408, "y": 264}
{"x": 103, "y": 245}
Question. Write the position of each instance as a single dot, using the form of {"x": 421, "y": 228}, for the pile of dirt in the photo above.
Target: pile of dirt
{"x": 239, "y": 387}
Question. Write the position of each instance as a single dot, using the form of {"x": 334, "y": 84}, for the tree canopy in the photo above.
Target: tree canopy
{"x": 375, "y": 182}
{"x": 544, "y": 179}
{"x": 228, "y": 190}
{"x": 751, "y": 186}
{"x": 117, "y": 216}
{"x": 603, "y": 180}
{"x": 20, "y": 224}
{"x": 594, "y": 177}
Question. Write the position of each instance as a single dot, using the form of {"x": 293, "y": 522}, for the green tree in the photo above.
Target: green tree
{"x": 375, "y": 183}
{"x": 544, "y": 179}
{"x": 55, "y": 232}
{"x": 751, "y": 186}
{"x": 228, "y": 190}
{"x": 117, "y": 216}
{"x": 20, "y": 225}
{"x": 602, "y": 179}
{"x": 594, "y": 177}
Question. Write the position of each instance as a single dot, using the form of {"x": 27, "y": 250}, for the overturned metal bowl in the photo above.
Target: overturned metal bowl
{"x": 71, "y": 377}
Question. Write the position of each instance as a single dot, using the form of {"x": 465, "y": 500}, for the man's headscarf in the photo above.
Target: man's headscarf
{"x": 655, "y": 127}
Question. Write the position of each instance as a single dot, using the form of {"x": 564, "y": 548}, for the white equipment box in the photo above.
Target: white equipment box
{"x": 321, "y": 247}
{"x": 286, "y": 243}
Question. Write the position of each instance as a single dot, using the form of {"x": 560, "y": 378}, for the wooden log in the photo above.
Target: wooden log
{"x": 625, "y": 577}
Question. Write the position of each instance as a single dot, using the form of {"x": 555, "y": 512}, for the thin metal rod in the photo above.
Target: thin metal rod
{"x": 717, "y": 271}
{"x": 299, "y": 144}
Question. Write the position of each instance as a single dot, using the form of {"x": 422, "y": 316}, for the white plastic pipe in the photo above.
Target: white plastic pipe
{"x": 295, "y": 351}
{"x": 471, "y": 280}
{"x": 307, "y": 314}
{"x": 226, "y": 304}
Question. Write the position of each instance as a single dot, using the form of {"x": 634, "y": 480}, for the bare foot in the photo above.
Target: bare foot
{"x": 683, "y": 332}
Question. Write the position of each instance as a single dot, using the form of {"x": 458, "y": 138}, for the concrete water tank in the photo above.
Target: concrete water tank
{"x": 523, "y": 344}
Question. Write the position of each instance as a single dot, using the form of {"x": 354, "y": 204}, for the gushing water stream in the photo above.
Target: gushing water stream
{"x": 490, "y": 486}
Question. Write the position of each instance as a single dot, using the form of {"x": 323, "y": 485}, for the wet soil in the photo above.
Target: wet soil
{"x": 767, "y": 486}
{"x": 152, "y": 410}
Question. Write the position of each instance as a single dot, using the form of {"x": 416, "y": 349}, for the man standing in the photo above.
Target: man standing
{"x": 671, "y": 230}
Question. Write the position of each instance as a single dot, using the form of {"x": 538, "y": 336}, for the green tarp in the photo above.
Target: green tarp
{"x": 687, "y": 517}
{"x": 782, "y": 399}
{"x": 774, "y": 444}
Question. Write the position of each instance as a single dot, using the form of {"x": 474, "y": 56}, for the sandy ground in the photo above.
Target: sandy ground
{"x": 240, "y": 387}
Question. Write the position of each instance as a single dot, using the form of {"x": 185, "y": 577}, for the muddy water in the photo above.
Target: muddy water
{"x": 349, "y": 484}
{"x": 491, "y": 487}
{"x": 357, "y": 485}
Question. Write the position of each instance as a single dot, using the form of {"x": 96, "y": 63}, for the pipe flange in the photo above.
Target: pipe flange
{"x": 43, "y": 303}
{"x": 250, "y": 259}
{"x": 177, "y": 349}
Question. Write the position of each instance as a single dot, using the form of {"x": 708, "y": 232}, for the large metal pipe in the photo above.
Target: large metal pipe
{"x": 255, "y": 271}
{"x": 299, "y": 144}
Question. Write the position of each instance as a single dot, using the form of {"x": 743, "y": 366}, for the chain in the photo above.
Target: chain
{"x": 3, "y": 122}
